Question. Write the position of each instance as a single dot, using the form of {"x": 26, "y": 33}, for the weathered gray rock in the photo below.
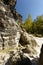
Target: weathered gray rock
{"x": 28, "y": 42}
{"x": 9, "y": 29}
{"x": 13, "y": 37}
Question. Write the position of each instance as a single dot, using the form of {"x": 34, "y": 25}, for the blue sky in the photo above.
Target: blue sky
{"x": 33, "y": 7}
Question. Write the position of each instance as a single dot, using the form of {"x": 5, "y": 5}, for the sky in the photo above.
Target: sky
{"x": 33, "y": 7}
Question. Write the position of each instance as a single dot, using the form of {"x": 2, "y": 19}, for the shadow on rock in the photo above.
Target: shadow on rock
{"x": 22, "y": 60}
{"x": 35, "y": 61}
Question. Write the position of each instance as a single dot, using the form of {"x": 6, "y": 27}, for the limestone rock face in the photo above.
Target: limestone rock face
{"x": 17, "y": 47}
{"x": 9, "y": 29}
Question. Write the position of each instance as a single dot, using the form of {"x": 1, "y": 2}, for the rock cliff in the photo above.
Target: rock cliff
{"x": 9, "y": 30}
{"x": 17, "y": 47}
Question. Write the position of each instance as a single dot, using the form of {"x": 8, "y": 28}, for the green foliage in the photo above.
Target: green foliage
{"x": 38, "y": 35}
{"x": 34, "y": 27}
{"x": 38, "y": 25}
{"x": 19, "y": 23}
{"x": 28, "y": 23}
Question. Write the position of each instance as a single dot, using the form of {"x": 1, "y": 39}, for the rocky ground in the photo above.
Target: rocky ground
{"x": 17, "y": 47}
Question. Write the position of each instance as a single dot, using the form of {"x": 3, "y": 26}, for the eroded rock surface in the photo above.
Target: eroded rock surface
{"x": 17, "y": 47}
{"x": 9, "y": 29}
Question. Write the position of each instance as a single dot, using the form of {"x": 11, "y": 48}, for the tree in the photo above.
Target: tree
{"x": 39, "y": 22}
{"x": 34, "y": 27}
{"x": 37, "y": 25}
{"x": 28, "y": 23}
